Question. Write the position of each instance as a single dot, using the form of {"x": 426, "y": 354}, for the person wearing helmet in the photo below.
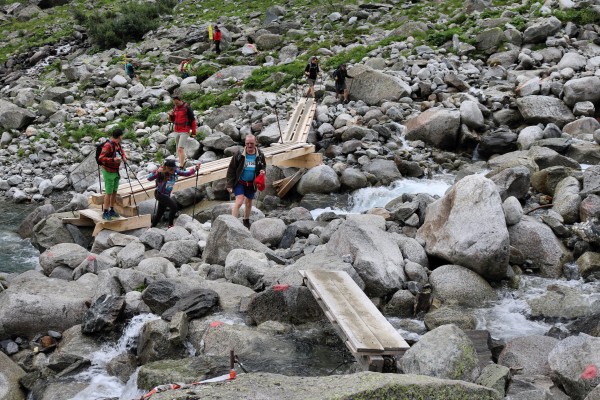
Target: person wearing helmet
{"x": 312, "y": 71}
{"x": 166, "y": 176}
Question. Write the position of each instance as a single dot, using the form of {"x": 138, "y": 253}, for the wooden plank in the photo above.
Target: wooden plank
{"x": 385, "y": 333}
{"x": 124, "y": 224}
{"x": 306, "y": 161}
{"x": 78, "y": 221}
{"x": 96, "y": 215}
{"x": 357, "y": 332}
{"x": 293, "y": 121}
{"x": 306, "y": 116}
{"x": 305, "y": 129}
{"x": 290, "y": 184}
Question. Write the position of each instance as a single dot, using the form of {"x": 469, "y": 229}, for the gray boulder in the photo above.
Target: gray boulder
{"x": 269, "y": 41}
{"x": 154, "y": 343}
{"x": 541, "y": 247}
{"x": 351, "y": 386}
{"x": 269, "y": 231}
{"x": 26, "y": 228}
{"x": 35, "y": 304}
{"x": 437, "y": 127}
{"x": 566, "y": 199}
{"x": 582, "y": 89}
{"x": 375, "y": 253}
{"x": 245, "y": 267}
{"x": 187, "y": 370}
{"x": 544, "y": 109}
{"x": 103, "y": 315}
{"x": 469, "y": 230}
{"x": 445, "y": 352}
{"x": 513, "y": 212}
{"x": 385, "y": 171}
{"x": 574, "y": 365}
{"x": 528, "y": 354}
{"x": 589, "y": 266}
{"x": 471, "y": 115}
{"x": 68, "y": 255}
{"x": 228, "y": 233}
{"x": 528, "y": 136}
{"x": 13, "y": 117}
{"x": 541, "y": 29}
{"x": 320, "y": 179}
{"x": 131, "y": 255}
{"x": 563, "y": 302}
{"x": 374, "y": 87}
{"x": 511, "y": 182}
{"x": 295, "y": 304}
{"x": 10, "y": 374}
{"x": 180, "y": 251}
{"x": 454, "y": 284}
{"x": 225, "y": 75}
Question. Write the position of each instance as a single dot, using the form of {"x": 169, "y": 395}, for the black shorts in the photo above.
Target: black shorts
{"x": 340, "y": 87}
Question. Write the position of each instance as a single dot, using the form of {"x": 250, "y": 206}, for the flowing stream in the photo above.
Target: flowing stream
{"x": 16, "y": 254}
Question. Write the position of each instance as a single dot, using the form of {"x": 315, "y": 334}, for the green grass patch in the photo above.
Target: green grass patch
{"x": 115, "y": 28}
{"x": 204, "y": 71}
{"x": 271, "y": 79}
{"x": 204, "y": 101}
{"x": 580, "y": 17}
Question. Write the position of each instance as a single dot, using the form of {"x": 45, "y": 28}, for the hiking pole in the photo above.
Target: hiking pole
{"x": 195, "y": 191}
{"x": 131, "y": 187}
{"x": 99, "y": 180}
{"x": 136, "y": 178}
{"x": 350, "y": 88}
{"x": 278, "y": 125}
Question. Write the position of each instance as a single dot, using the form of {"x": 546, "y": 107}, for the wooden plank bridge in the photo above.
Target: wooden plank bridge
{"x": 368, "y": 335}
{"x": 292, "y": 152}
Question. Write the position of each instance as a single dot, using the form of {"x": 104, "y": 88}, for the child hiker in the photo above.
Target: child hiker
{"x": 166, "y": 176}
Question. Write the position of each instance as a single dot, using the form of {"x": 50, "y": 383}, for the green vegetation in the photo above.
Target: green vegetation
{"x": 144, "y": 142}
{"x": 115, "y": 28}
{"x": 580, "y": 17}
{"x": 76, "y": 133}
{"x": 159, "y": 156}
{"x": 203, "y": 72}
{"x": 271, "y": 79}
{"x": 204, "y": 101}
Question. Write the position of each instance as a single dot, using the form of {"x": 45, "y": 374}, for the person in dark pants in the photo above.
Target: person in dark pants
{"x": 340, "y": 75}
{"x": 217, "y": 39}
{"x": 166, "y": 176}
{"x": 243, "y": 169}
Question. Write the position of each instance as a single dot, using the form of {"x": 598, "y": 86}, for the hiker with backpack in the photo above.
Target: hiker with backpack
{"x": 166, "y": 176}
{"x": 217, "y": 39}
{"x": 340, "y": 75}
{"x": 312, "y": 71}
{"x": 243, "y": 173}
{"x": 185, "y": 68}
{"x": 184, "y": 123}
{"x": 130, "y": 70}
{"x": 110, "y": 158}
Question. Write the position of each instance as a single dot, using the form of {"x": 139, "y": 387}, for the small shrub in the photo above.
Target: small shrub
{"x": 271, "y": 79}
{"x": 145, "y": 142}
{"x": 579, "y": 17}
{"x": 159, "y": 156}
{"x": 203, "y": 72}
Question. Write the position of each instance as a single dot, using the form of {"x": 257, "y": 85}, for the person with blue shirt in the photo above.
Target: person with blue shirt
{"x": 243, "y": 169}
{"x": 165, "y": 177}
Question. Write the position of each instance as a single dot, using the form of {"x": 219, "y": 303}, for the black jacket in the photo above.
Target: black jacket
{"x": 312, "y": 69}
{"x": 237, "y": 163}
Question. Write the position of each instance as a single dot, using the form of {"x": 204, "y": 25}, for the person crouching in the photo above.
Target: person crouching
{"x": 166, "y": 176}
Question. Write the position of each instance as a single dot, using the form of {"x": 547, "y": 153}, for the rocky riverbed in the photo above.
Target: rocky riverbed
{"x": 506, "y": 112}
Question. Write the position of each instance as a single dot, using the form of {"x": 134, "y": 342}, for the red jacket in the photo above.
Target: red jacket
{"x": 183, "y": 119}
{"x": 110, "y": 150}
{"x": 217, "y": 35}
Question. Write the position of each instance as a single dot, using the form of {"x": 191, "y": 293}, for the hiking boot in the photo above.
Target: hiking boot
{"x": 169, "y": 227}
{"x": 247, "y": 223}
{"x": 106, "y": 216}
{"x": 114, "y": 214}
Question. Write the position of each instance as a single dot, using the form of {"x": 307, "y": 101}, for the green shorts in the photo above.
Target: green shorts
{"x": 111, "y": 181}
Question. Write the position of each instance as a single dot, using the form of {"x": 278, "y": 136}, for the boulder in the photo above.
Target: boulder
{"x": 375, "y": 253}
{"x": 131, "y": 255}
{"x": 195, "y": 304}
{"x": 374, "y": 87}
{"x": 179, "y": 252}
{"x": 566, "y": 200}
{"x": 511, "y": 182}
{"x": 187, "y": 370}
{"x": 544, "y": 109}
{"x": 293, "y": 304}
{"x": 528, "y": 355}
{"x": 320, "y": 179}
{"x": 385, "y": 171}
{"x": 163, "y": 294}
{"x": 103, "y": 315}
{"x": 221, "y": 78}
{"x": 154, "y": 343}
{"x": 26, "y": 228}
{"x": 245, "y": 267}
{"x": 537, "y": 241}
{"x": 471, "y": 115}
{"x": 454, "y": 284}
{"x": 469, "y": 230}
{"x": 269, "y": 41}
{"x": 13, "y": 117}
{"x": 560, "y": 301}
{"x": 582, "y": 89}
{"x": 228, "y": 233}
{"x": 269, "y": 231}
{"x": 68, "y": 255}
{"x": 589, "y": 266}
{"x": 541, "y": 29}
{"x": 10, "y": 374}
{"x": 574, "y": 365}
{"x": 437, "y": 127}
{"x": 445, "y": 352}
{"x": 351, "y": 386}
{"x": 38, "y": 304}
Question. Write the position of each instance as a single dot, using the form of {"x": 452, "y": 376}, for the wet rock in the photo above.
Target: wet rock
{"x": 443, "y": 352}
{"x": 574, "y": 364}
{"x": 194, "y": 304}
{"x": 154, "y": 344}
{"x": 187, "y": 370}
{"x": 480, "y": 240}
{"x": 438, "y": 127}
{"x": 563, "y": 302}
{"x": 459, "y": 285}
{"x": 103, "y": 315}
{"x": 589, "y": 266}
{"x": 528, "y": 355}
{"x": 294, "y": 304}
{"x": 450, "y": 315}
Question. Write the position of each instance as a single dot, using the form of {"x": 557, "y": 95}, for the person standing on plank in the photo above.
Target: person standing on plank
{"x": 110, "y": 158}
{"x": 165, "y": 177}
{"x": 184, "y": 123}
{"x": 243, "y": 169}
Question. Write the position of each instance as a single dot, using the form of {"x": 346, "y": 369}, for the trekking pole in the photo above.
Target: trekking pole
{"x": 195, "y": 190}
{"x": 99, "y": 180}
{"x": 278, "y": 125}
{"x": 136, "y": 178}
{"x": 350, "y": 88}
{"x": 131, "y": 187}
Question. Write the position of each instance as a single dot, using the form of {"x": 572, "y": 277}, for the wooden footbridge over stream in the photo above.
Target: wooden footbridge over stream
{"x": 292, "y": 151}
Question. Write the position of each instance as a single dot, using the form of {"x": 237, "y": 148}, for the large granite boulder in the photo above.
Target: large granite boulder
{"x": 13, "y": 117}
{"x": 528, "y": 354}
{"x": 544, "y": 109}
{"x": 437, "y": 127}
{"x": 375, "y": 254}
{"x": 10, "y": 373}
{"x": 374, "y": 87}
{"x": 458, "y": 285}
{"x": 467, "y": 227}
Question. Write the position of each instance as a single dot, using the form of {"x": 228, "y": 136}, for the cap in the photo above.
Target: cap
{"x": 170, "y": 163}
{"x": 259, "y": 181}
